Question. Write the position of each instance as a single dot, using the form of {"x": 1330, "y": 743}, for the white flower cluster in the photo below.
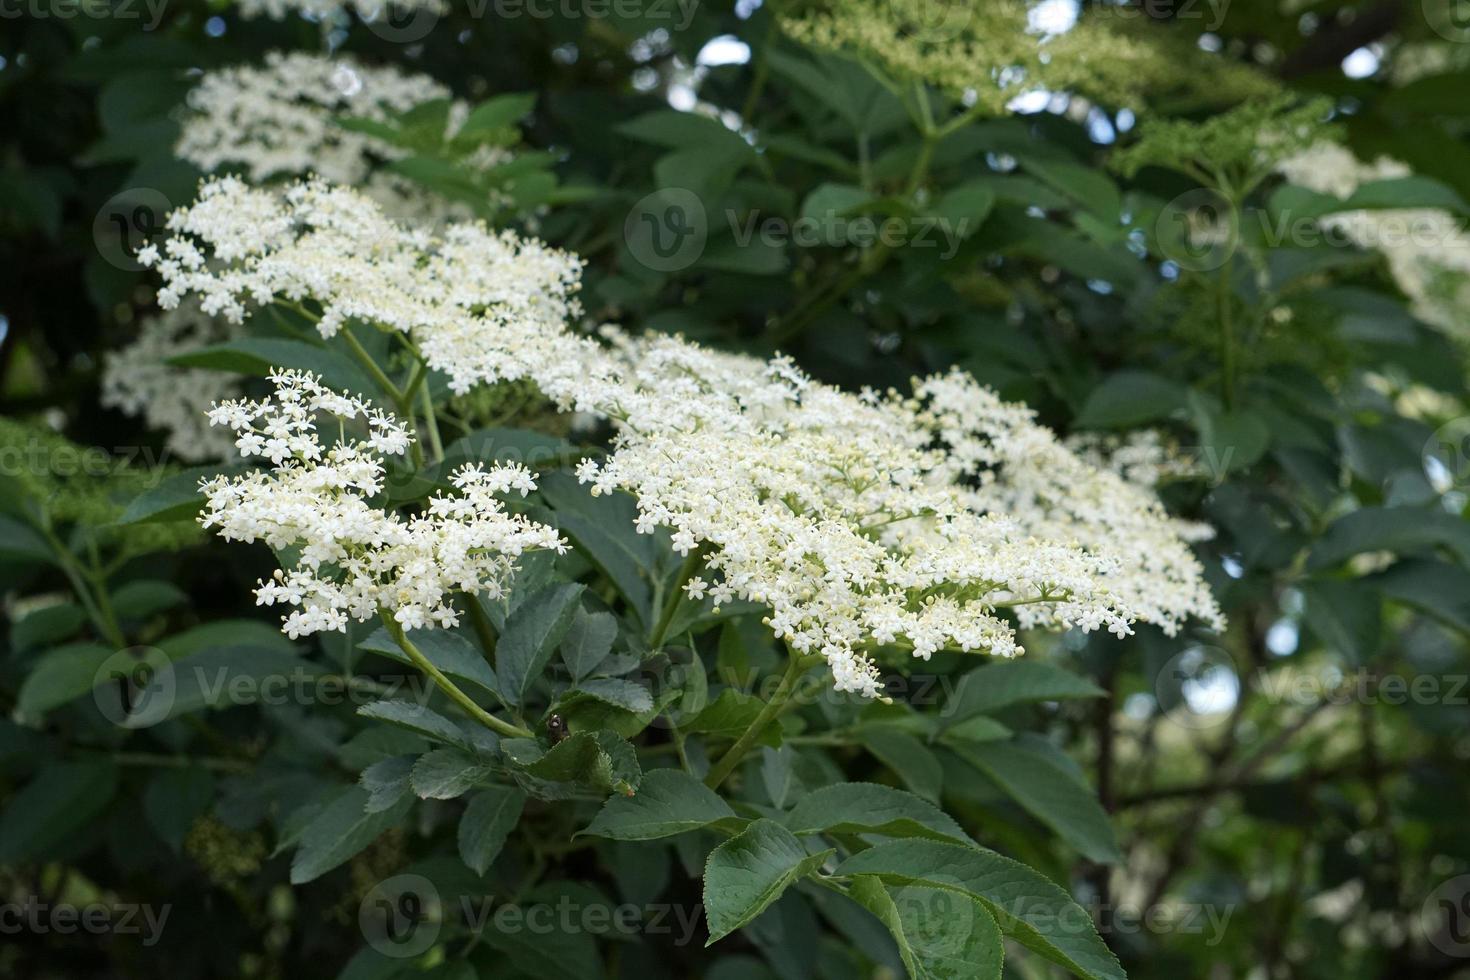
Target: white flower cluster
{"x": 279, "y": 120}
{"x": 352, "y": 557}
{"x": 841, "y": 513}
{"x": 863, "y": 521}
{"x": 138, "y": 381}
{"x": 1143, "y": 456}
{"x": 1015, "y": 467}
{"x": 329, "y": 9}
{"x": 1426, "y": 250}
{"x": 481, "y": 306}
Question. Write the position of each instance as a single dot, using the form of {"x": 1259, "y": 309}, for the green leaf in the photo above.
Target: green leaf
{"x": 1130, "y": 398}
{"x": 174, "y": 799}
{"x": 868, "y": 808}
{"x": 1048, "y": 791}
{"x": 20, "y": 540}
{"x": 61, "y": 675}
{"x": 588, "y": 641}
{"x": 748, "y": 872}
{"x": 988, "y": 689}
{"x": 46, "y": 626}
{"x": 531, "y": 635}
{"x": 1345, "y": 615}
{"x": 387, "y": 782}
{"x": 618, "y": 692}
{"x": 1438, "y": 588}
{"x": 496, "y": 114}
{"x": 604, "y": 529}
{"x": 1028, "y": 908}
{"x": 1412, "y": 191}
{"x": 588, "y": 762}
{"x": 258, "y": 356}
{"x": 729, "y": 715}
{"x": 963, "y": 210}
{"x": 685, "y": 130}
{"x": 668, "y": 802}
{"x": 1397, "y": 529}
{"x": 142, "y": 598}
{"x": 339, "y": 831}
{"x": 488, "y": 820}
{"x": 941, "y": 935}
{"x": 445, "y": 774}
{"x": 42, "y": 818}
{"x": 175, "y": 498}
{"x": 829, "y": 209}
{"x": 907, "y": 757}
{"x": 417, "y": 719}
{"x": 449, "y": 651}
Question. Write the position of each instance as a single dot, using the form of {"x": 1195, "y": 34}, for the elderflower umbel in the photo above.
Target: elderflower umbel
{"x": 139, "y": 381}
{"x": 839, "y": 513}
{"x": 280, "y": 119}
{"x": 1426, "y": 250}
{"x": 352, "y": 557}
{"x": 481, "y": 306}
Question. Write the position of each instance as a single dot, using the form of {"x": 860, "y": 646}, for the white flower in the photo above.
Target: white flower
{"x": 866, "y": 521}
{"x": 481, "y": 306}
{"x": 281, "y": 120}
{"x": 353, "y": 558}
{"x": 1427, "y": 252}
{"x": 138, "y": 381}
{"x": 328, "y": 9}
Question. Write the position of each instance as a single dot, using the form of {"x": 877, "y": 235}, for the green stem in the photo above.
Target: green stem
{"x": 676, "y": 596}
{"x": 796, "y": 666}
{"x": 1227, "y": 339}
{"x": 371, "y": 366}
{"x": 448, "y": 686}
{"x": 435, "y": 443}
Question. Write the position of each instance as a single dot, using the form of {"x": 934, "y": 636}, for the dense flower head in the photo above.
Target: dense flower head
{"x": 351, "y": 556}
{"x": 327, "y": 9}
{"x": 281, "y": 119}
{"x": 847, "y": 516}
{"x": 139, "y": 381}
{"x": 989, "y": 53}
{"x": 1427, "y": 251}
{"x": 482, "y": 306}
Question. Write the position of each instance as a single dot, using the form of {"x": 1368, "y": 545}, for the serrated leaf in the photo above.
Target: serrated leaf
{"x": 668, "y": 802}
{"x": 588, "y": 641}
{"x": 748, "y": 872}
{"x": 996, "y": 686}
{"x": 490, "y": 817}
{"x": 447, "y": 650}
{"x": 444, "y": 774}
{"x": 387, "y": 782}
{"x": 941, "y": 935}
{"x": 339, "y": 831}
{"x": 531, "y": 635}
{"x": 907, "y": 757}
{"x": 868, "y": 808}
{"x": 1027, "y": 907}
{"x": 1049, "y": 792}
